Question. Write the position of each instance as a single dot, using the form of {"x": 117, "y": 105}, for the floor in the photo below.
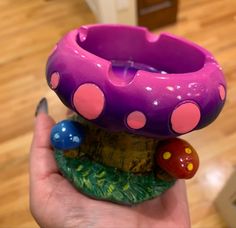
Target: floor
{"x": 29, "y": 30}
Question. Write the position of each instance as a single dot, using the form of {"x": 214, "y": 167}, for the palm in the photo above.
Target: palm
{"x": 56, "y": 203}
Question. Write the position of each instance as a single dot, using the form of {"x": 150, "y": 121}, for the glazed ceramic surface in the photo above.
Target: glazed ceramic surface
{"x": 127, "y": 79}
{"x": 178, "y": 158}
{"x": 67, "y": 135}
{"x": 131, "y": 90}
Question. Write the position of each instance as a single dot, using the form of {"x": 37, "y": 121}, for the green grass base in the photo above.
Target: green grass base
{"x": 108, "y": 183}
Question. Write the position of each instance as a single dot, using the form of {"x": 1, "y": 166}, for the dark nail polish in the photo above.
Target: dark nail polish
{"x": 42, "y": 106}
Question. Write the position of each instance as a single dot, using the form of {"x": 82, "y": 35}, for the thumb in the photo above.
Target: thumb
{"x": 42, "y": 162}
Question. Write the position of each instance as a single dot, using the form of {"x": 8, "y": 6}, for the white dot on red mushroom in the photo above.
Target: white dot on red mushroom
{"x": 54, "y": 80}
{"x": 89, "y": 101}
{"x": 185, "y": 117}
{"x": 221, "y": 92}
{"x": 136, "y": 120}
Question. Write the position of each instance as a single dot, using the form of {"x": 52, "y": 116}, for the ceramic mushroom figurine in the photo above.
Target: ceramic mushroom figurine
{"x": 131, "y": 89}
{"x": 178, "y": 158}
{"x": 67, "y": 135}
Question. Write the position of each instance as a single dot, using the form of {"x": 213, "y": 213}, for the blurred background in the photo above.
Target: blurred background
{"x": 30, "y": 29}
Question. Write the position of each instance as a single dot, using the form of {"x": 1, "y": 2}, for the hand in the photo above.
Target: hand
{"x": 54, "y": 202}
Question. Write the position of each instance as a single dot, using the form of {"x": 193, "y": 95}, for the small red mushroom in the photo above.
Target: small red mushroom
{"x": 178, "y": 158}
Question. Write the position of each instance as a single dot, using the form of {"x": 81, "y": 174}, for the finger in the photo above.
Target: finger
{"x": 42, "y": 130}
{"x": 42, "y": 162}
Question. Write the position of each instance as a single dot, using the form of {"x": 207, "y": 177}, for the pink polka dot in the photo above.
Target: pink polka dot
{"x": 54, "y": 81}
{"x": 221, "y": 92}
{"x": 185, "y": 118}
{"x": 89, "y": 100}
{"x": 136, "y": 120}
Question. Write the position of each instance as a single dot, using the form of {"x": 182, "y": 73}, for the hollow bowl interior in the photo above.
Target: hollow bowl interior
{"x": 131, "y": 49}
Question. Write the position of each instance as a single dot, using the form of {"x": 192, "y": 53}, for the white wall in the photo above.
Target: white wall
{"x": 114, "y": 11}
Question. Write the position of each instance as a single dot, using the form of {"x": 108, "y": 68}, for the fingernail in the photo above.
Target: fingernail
{"x": 42, "y": 106}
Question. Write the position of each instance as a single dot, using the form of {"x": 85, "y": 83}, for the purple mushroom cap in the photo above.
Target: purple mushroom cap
{"x": 125, "y": 78}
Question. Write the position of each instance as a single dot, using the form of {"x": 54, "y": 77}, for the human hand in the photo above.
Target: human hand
{"x": 54, "y": 202}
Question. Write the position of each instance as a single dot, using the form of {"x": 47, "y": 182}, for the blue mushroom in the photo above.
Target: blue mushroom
{"x": 67, "y": 135}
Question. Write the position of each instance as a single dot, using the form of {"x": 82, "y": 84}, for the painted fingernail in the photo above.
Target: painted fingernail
{"x": 42, "y": 106}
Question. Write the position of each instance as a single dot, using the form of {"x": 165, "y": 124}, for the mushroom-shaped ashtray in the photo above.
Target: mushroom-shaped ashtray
{"x": 130, "y": 89}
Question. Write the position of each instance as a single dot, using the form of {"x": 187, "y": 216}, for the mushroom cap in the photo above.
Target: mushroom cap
{"x": 177, "y": 157}
{"x": 67, "y": 135}
{"x": 125, "y": 78}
